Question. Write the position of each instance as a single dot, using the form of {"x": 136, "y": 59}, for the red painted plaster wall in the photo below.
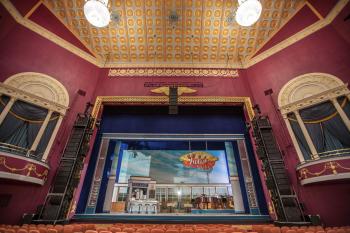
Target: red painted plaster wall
{"x": 324, "y": 51}
{"x": 25, "y": 51}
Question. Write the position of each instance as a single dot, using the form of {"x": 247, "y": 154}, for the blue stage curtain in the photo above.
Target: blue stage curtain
{"x": 305, "y": 150}
{"x": 326, "y": 128}
{"x": 21, "y": 124}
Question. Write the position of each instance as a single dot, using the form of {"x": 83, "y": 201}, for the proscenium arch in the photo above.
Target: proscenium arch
{"x": 41, "y": 85}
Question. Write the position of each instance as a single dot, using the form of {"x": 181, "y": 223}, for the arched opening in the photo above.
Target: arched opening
{"x": 32, "y": 108}
{"x": 316, "y": 110}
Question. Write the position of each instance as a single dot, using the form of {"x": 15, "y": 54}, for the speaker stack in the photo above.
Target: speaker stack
{"x": 285, "y": 201}
{"x": 173, "y": 99}
{"x": 67, "y": 177}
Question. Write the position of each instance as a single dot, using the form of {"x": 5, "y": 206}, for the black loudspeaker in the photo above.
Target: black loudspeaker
{"x": 315, "y": 220}
{"x": 27, "y": 218}
{"x": 5, "y": 199}
{"x": 172, "y": 95}
{"x": 173, "y": 108}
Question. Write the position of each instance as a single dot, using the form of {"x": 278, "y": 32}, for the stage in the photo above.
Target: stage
{"x": 173, "y": 218}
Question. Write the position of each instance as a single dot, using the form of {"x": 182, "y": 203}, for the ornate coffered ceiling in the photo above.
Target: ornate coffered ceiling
{"x": 204, "y": 34}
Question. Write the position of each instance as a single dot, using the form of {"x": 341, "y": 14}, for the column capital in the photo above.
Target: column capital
{"x": 296, "y": 112}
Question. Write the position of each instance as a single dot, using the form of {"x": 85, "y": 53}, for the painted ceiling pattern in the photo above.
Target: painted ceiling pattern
{"x": 177, "y": 32}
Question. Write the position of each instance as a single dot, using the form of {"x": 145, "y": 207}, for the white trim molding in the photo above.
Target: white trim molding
{"x": 325, "y": 178}
{"x": 11, "y": 176}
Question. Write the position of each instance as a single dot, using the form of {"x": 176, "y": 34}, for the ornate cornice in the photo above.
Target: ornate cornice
{"x": 101, "y": 100}
{"x": 173, "y": 72}
{"x": 315, "y": 99}
{"x": 31, "y": 98}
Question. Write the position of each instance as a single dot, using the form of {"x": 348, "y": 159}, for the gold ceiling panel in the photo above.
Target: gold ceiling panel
{"x": 204, "y": 32}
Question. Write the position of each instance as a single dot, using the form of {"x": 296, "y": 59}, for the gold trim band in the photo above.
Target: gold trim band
{"x": 183, "y": 100}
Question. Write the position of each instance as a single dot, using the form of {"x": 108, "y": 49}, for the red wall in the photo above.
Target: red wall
{"x": 327, "y": 50}
{"x": 25, "y": 51}
{"x": 324, "y": 51}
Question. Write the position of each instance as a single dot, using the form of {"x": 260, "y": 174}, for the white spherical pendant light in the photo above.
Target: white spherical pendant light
{"x": 97, "y": 13}
{"x": 248, "y": 12}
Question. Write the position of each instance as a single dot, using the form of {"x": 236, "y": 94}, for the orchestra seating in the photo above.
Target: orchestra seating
{"x": 167, "y": 228}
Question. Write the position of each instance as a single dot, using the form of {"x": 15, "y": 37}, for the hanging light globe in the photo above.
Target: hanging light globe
{"x": 248, "y": 12}
{"x": 97, "y": 13}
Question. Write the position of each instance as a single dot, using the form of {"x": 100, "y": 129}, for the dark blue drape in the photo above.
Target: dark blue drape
{"x": 326, "y": 128}
{"x": 22, "y": 124}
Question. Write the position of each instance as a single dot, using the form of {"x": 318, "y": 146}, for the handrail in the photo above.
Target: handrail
{"x": 6, "y": 147}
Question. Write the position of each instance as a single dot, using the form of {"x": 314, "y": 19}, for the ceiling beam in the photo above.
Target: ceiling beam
{"x": 314, "y": 10}
{"x": 31, "y": 11}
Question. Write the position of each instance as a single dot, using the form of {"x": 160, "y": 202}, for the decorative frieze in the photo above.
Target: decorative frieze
{"x": 173, "y": 72}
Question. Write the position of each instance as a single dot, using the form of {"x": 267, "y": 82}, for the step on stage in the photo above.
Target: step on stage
{"x": 173, "y": 218}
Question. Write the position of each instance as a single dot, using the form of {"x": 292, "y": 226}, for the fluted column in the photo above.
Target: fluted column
{"x": 52, "y": 138}
{"x": 294, "y": 139}
{"x": 306, "y": 135}
{"x": 6, "y": 110}
{"x": 41, "y": 131}
{"x": 341, "y": 113}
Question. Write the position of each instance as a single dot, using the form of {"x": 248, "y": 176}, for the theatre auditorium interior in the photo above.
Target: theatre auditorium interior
{"x": 174, "y": 116}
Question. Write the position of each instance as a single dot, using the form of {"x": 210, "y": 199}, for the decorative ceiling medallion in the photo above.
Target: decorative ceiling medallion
{"x": 172, "y": 72}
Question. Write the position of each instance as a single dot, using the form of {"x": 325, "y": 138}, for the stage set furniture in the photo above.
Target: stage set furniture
{"x": 141, "y": 195}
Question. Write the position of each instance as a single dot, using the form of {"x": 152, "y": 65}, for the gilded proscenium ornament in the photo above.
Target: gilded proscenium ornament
{"x": 100, "y": 100}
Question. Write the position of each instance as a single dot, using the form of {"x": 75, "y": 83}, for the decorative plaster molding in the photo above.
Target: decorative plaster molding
{"x": 333, "y": 168}
{"x": 42, "y": 85}
{"x": 47, "y": 34}
{"x": 11, "y": 176}
{"x": 341, "y": 176}
{"x": 20, "y": 168}
{"x": 315, "y": 99}
{"x": 321, "y": 160}
{"x": 173, "y": 72}
{"x": 30, "y": 98}
{"x": 100, "y": 100}
{"x": 151, "y": 65}
{"x": 307, "y": 85}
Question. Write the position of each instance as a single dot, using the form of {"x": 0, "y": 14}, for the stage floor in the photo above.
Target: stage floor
{"x": 173, "y": 218}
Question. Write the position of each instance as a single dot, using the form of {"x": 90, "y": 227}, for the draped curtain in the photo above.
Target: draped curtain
{"x": 325, "y": 127}
{"x": 22, "y": 123}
